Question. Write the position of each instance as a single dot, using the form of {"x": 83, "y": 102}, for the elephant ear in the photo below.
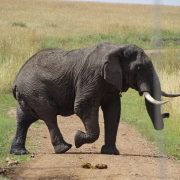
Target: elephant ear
{"x": 112, "y": 71}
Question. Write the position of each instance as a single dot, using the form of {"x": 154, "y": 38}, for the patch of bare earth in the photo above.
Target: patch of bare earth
{"x": 139, "y": 159}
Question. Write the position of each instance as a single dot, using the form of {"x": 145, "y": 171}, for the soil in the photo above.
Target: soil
{"x": 139, "y": 158}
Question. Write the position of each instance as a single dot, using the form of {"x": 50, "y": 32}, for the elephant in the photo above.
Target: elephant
{"x": 66, "y": 82}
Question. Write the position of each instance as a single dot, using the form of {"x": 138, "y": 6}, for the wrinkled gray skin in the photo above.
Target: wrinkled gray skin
{"x": 58, "y": 82}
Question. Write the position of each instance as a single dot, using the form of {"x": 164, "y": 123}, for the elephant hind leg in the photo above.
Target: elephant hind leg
{"x": 59, "y": 144}
{"x": 24, "y": 120}
{"x": 46, "y": 109}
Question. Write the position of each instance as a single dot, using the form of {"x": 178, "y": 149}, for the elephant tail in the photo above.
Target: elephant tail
{"x": 14, "y": 91}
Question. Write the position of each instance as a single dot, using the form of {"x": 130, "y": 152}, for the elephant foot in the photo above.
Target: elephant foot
{"x": 79, "y": 139}
{"x": 62, "y": 148}
{"x": 82, "y": 138}
{"x": 111, "y": 150}
{"x": 18, "y": 151}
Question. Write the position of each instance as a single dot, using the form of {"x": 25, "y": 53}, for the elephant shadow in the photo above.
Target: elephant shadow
{"x": 123, "y": 154}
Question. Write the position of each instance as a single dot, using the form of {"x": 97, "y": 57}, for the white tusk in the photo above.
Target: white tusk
{"x": 152, "y": 100}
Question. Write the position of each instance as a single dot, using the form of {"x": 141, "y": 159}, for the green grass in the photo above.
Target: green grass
{"x": 134, "y": 113}
{"x": 3, "y": 178}
{"x": 142, "y": 39}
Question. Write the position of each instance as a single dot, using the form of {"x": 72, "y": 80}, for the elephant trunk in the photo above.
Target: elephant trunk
{"x": 153, "y": 89}
{"x": 154, "y": 112}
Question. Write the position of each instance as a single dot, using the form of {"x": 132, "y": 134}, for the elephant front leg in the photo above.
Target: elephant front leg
{"x": 111, "y": 112}
{"x": 89, "y": 117}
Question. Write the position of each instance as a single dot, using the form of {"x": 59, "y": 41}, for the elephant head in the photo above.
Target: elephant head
{"x": 129, "y": 67}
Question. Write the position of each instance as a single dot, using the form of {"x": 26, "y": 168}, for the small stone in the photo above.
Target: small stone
{"x": 101, "y": 166}
{"x": 32, "y": 155}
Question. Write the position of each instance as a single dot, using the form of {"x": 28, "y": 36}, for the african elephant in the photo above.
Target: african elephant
{"x": 58, "y": 82}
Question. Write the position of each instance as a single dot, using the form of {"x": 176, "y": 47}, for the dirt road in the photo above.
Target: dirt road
{"x": 138, "y": 160}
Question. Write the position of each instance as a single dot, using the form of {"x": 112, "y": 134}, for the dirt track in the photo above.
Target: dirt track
{"x": 138, "y": 160}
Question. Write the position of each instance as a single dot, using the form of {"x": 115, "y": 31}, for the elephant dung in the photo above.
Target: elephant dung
{"x": 87, "y": 166}
{"x": 101, "y": 166}
{"x": 97, "y": 166}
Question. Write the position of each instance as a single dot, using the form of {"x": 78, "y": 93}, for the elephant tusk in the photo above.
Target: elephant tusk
{"x": 152, "y": 100}
{"x": 169, "y": 95}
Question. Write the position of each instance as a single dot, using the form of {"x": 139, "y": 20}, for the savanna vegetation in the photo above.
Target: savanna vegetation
{"x": 28, "y": 26}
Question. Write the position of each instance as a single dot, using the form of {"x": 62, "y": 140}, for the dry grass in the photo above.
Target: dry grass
{"x": 171, "y": 83}
{"x": 64, "y": 19}
{"x": 167, "y": 64}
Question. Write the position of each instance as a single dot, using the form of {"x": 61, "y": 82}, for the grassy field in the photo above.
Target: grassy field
{"x": 6, "y": 124}
{"x": 28, "y": 26}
